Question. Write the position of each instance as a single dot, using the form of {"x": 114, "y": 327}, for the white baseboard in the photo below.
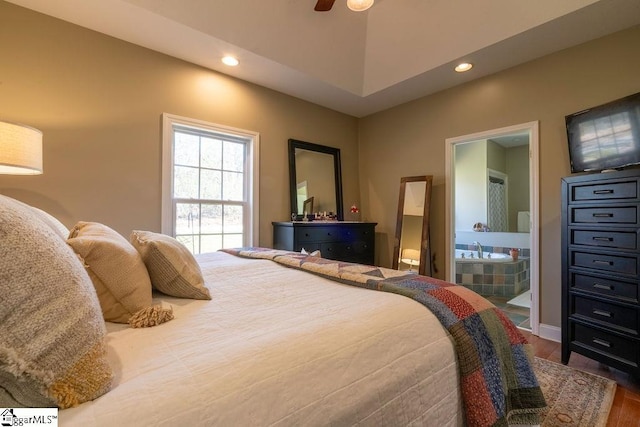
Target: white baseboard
{"x": 551, "y": 333}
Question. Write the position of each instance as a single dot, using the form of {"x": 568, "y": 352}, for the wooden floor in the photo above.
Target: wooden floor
{"x": 626, "y": 405}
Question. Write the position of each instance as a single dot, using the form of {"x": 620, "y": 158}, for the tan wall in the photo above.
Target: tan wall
{"x": 98, "y": 101}
{"x": 410, "y": 139}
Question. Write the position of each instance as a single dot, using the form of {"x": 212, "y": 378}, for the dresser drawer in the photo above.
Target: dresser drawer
{"x": 356, "y": 234}
{"x": 624, "y": 215}
{"x": 605, "y": 238}
{"x": 358, "y": 252}
{"x": 620, "y": 352}
{"x": 603, "y": 286}
{"x": 608, "y": 314}
{"x": 623, "y": 264}
{"x": 604, "y": 191}
{"x": 317, "y": 233}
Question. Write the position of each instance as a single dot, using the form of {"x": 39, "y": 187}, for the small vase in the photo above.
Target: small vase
{"x": 514, "y": 254}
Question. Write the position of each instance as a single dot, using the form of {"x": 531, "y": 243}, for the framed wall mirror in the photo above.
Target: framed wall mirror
{"x": 315, "y": 179}
{"x": 412, "y": 248}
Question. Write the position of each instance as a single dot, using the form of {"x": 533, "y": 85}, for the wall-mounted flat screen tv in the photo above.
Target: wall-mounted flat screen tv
{"x": 606, "y": 136}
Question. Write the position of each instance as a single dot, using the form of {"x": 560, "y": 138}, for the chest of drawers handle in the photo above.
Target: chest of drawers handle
{"x": 606, "y": 191}
{"x": 603, "y": 215}
{"x": 602, "y": 313}
{"x": 602, "y": 239}
{"x": 601, "y": 342}
{"x": 601, "y": 262}
{"x": 605, "y": 287}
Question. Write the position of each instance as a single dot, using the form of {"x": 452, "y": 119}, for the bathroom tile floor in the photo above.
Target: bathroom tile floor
{"x": 518, "y": 315}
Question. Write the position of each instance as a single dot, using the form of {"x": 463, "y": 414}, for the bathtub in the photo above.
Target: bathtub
{"x": 472, "y": 255}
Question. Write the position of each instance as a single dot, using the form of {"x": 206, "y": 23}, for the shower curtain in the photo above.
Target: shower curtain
{"x": 497, "y": 215}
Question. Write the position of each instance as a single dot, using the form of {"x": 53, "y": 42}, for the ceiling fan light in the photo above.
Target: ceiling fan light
{"x": 359, "y": 5}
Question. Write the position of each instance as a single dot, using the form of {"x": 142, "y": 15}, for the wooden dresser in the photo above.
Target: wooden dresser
{"x": 344, "y": 240}
{"x": 600, "y": 266}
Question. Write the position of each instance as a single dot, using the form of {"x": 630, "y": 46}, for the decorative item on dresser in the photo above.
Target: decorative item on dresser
{"x": 343, "y": 241}
{"x": 600, "y": 266}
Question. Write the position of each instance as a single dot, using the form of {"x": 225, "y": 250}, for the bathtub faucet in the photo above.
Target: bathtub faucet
{"x": 479, "y": 246}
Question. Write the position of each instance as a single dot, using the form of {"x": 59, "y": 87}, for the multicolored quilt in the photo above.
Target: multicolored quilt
{"x": 499, "y": 386}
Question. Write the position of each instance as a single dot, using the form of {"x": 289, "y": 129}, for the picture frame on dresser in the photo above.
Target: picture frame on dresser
{"x": 307, "y": 206}
{"x": 600, "y": 240}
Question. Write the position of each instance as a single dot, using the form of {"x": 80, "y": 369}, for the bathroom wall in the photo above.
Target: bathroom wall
{"x": 471, "y": 198}
{"x": 496, "y": 157}
{"x": 517, "y": 168}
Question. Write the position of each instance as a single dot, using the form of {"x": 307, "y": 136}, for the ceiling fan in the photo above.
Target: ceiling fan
{"x": 355, "y": 5}
{"x": 324, "y": 5}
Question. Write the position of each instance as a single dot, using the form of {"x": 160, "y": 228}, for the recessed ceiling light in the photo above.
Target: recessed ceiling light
{"x": 465, "y": 66}
{"x": 230, "y": 61}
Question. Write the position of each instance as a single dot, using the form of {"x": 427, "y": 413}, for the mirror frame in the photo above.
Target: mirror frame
{"x": 335, "y": 152}
{"x": 425, "y": 246}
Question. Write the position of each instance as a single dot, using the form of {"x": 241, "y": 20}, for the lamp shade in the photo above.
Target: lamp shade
{"x": 359, "y": 5}
{"x": 20, "y": 149}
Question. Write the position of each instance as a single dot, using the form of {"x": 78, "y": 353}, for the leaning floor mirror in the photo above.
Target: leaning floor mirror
{"x": 412, "y": 248}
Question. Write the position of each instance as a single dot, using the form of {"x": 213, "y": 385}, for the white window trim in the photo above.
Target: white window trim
{"x": 252, "y": 220}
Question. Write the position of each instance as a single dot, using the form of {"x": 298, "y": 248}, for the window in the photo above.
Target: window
{"x": 209, "y": 184}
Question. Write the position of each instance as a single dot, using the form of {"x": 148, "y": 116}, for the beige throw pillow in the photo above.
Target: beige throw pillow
{"x": 52, "y": 349}
{"x": 116, "y": 270}
{"x": 172, "y": 268}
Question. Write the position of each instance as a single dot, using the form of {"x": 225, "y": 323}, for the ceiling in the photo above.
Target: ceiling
{"x": 357, "y": 63}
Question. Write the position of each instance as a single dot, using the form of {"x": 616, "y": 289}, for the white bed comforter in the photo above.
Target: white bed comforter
{"x": 278, "y": 346}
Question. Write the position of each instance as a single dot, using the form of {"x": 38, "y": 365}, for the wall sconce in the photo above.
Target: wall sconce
{"x": 20, "y": 150}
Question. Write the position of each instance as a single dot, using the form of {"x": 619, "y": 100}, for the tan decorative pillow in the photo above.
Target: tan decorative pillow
{"x": 116, "y": 270}
{"x": 52, "y": 349}
{"x": 172, "y": 268}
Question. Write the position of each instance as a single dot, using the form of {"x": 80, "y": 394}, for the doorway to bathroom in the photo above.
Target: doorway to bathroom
{"x": 492, "y": 218}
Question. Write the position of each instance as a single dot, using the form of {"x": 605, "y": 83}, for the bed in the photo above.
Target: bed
{"x": 281, "y": 341}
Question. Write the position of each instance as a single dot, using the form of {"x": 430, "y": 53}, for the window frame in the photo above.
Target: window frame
{"x": 251, "y": 223}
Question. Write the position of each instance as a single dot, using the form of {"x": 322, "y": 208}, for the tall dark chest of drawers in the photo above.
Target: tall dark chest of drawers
{"x": 600, "y": 267}
{"x": 343, "y": 241}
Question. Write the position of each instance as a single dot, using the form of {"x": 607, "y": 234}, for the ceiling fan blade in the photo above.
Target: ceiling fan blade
{"x": 324, "y": 5}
